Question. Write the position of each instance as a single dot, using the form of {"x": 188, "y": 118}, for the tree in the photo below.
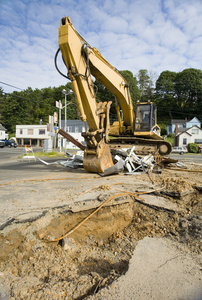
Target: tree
{"x": 188, "y": 89}
{"x": 179, "y": 95}
{"x": 2, "y": 105}
{"x": 144, "y": 84}
{"x": 103, "y": 94}
{"x": 165, "y": 93}
{"x": 133, "y": 86}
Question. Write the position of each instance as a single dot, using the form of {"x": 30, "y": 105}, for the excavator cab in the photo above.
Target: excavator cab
{"x": 145, "y": 119}
{"x": 145, "y": 116}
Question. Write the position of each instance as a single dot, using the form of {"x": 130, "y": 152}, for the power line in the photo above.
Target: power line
{"x": 159, "y": 106}
{"x": 187, "y": 113}
{"x": 11, "y": 86}
{"x": 37, "y": 102}
{"x": 13, "y": 95}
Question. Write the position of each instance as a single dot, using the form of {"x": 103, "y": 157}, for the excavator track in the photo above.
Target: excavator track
{"x": 142, "y": 146}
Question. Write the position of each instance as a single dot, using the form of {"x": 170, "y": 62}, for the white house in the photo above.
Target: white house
{"x": 189, "y": 135}
{"x": 31, "y": 135}
{"x": 75, "y": 129}
{"x": 36, "y": 135}
{"x": 3, "y": 135}
{"x": 182, "y": 125}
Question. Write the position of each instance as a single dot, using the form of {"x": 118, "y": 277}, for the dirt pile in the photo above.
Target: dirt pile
{"x": 99, "y": 252}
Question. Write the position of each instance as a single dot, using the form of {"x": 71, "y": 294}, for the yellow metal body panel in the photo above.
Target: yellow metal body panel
{"x": 148, "y": 135}
{"x": 71, "y": 43}
{"x": 82, "y": 61}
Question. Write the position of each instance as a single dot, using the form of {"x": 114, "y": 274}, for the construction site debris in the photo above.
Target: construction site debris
{"x": 115, "y": 169}
{"x": 73, "y": 161}
{"x": 126, "y": 161}
{"x": 88, "y": 263}
{"x": 70, "y": 138}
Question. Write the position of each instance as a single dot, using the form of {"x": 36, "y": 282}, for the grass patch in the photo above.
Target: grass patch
{"x": 45, "y": 154}
{"x": 50, "y": 154}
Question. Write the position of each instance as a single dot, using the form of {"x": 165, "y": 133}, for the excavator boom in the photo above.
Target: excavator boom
{"x": 82, "y": 61}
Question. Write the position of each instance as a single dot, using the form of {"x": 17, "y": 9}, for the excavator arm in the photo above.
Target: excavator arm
{"x": 82, "y": 61}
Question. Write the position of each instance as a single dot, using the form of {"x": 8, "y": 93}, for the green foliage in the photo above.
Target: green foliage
{"x": 146, "y": 85}
{"x": 103, "y": 94}
{"x": 2, "y": 106}
{"x": 179, "y": 95}
{"x": 133, "y": 86}
{"x": 49, "y": 154}
{"x": 31, "y": 106}
{"x": 163, "y": 128}
{"x": 165, "y": 94}
{"x": 171, "y": 135}
{"x": 189, "y": 88}
{"x": 170, "y": 139}
{"x": 193, "y": 148}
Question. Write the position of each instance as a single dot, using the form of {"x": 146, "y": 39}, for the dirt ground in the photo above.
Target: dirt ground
{"x": 143, "y": 243}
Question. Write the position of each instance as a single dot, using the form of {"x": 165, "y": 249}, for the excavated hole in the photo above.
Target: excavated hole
{"x": 93, "y": 256}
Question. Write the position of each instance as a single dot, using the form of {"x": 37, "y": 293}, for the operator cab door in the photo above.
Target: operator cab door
{"x": 145, "y": 117}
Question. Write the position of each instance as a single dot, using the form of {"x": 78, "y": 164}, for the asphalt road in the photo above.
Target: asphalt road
{"x": 13, "y": 168}
{"x": 11, "y": 153}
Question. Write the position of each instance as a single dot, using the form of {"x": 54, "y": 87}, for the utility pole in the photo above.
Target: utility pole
{"x": 59, "y": 136}
{"x": 66, "y": 93}
{"x": 59, "y": 106}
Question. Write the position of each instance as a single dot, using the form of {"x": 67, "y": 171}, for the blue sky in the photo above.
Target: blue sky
{"x": 156, "y": 35}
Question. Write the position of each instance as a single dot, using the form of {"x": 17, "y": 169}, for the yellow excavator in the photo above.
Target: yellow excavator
{"x": 137, "y": 128}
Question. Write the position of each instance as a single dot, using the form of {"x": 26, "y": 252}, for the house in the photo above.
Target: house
{"x": 194, "y": 121}
{"x": 180, "y": 125}
{"x": 31, "y": 135}
{"x": 3, "y": 134}
{"x": 189, "y": 135}
{"x": 75, "y": 128}
{"x": 37, "y": 135}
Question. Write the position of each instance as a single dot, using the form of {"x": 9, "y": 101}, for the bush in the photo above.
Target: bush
{"x": 169, "y": 139}
{"x": 193, "y": 148}
{"x": 163, "y": 128}
{"x": 171, "y": 135}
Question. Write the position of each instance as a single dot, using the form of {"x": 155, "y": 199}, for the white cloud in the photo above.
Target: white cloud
{"x": 155, "y": 35}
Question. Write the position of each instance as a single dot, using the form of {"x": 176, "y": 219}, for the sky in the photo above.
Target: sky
{"x": 156, "y": 35}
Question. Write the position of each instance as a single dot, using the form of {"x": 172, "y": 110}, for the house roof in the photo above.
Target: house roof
{"x": 2, "y": 128}
{"x": 186, "y": 130}
{"x": 178, "y": 121}
{"x": 180, "y": 129}
{"x": 182, "y": 121}
{"x": 194, "y": 120}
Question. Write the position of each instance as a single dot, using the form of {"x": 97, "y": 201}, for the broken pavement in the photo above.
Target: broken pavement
{"x": 48, "y": 206}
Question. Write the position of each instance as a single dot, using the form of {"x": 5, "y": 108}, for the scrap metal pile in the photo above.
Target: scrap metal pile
{"x": 125, "y": 160}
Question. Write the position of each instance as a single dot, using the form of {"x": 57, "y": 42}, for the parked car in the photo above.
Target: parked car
{"x": 10, "y": 143}
{"x": 180, "y": 150}
{"x": 2, "y": 144}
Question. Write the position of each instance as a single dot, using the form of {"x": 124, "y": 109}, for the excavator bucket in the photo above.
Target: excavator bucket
{"x": 98, "y": 163}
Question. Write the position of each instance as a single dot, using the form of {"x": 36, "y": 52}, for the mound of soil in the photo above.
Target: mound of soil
{"x": 88, "y": 262}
